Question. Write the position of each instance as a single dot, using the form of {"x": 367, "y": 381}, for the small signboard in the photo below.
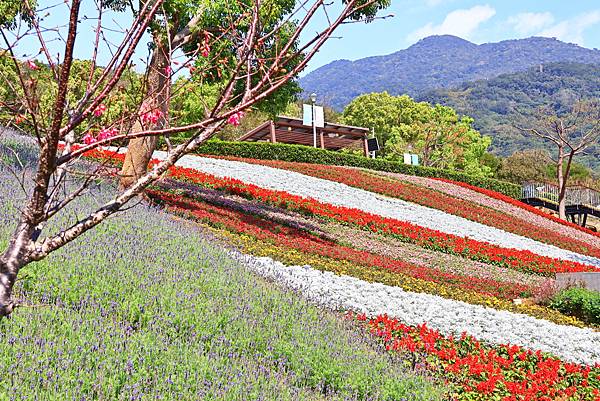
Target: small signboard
{"x": 372, "y": 145}
{"x": 307, "y": 115}
{"x": 414, "y": 160}
{"x": 411, "y": 159}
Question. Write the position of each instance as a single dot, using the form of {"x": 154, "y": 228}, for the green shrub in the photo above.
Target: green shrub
{"x": 305, "y": 154}
{"x": 579, "y": 302}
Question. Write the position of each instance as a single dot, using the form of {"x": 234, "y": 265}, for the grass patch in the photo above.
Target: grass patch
{"x": 579, "y": 302}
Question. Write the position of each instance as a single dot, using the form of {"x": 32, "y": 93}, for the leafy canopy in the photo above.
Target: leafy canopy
{"x": 437, "y": 133}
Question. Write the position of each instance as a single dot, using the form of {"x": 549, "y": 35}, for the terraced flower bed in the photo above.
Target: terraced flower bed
{"x": 434, "y": 199}
{"x": 522, "y": 260}
{"x": 418, "y": 218}
{"x": 478, "y": 371}
{"x": 292, "y": 238}
{"x": 377, "y": 280}
{"x": 433, "y": 239}
{"x": 514, "y": 202}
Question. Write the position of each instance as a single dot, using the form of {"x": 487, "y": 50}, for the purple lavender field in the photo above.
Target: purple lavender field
{"x": 147, "y": 307}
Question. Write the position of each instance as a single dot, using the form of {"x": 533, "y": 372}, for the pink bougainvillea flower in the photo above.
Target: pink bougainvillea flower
{"x": 205, "y": 51}
{"x": 88, "y": 139}
{"x": 107, "y": 133}
{"x": 168, "y": 70}
{"x": 99, "y": 110}
{"x": 32, "y": 65}
{"x": 151, "y": 116}
{"x": 235, "y": 118}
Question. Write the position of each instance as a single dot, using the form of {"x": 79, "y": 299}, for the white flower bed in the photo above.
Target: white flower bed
{"x": 343, "y": 195}
{"x": 449, "y": 317}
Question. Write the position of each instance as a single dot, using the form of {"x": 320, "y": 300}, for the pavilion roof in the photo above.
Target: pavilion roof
{"x": 292, "y": 130}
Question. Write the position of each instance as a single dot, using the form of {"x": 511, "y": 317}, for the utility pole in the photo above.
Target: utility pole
{"x": 313, "y": 100}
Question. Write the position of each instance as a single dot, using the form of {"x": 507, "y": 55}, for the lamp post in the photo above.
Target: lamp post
{"x": 313, "y": 99}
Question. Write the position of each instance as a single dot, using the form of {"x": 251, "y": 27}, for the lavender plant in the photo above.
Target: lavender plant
{"x": 114, "y": 316}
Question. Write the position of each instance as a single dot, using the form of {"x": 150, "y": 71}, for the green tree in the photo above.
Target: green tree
{"x": 437, "y": 133}
{"x": 200, "y": 28}
{"x": 379, "y": 111}
{"x": 13, "y": 10}
{"x": 524, "y": 166}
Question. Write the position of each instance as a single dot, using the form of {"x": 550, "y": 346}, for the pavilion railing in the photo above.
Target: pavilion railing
{"x": 576, "y": 195}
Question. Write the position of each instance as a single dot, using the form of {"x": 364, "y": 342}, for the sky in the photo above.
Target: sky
{"x": 574, "y": 21}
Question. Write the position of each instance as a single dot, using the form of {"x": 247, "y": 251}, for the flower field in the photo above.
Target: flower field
{"x": 502, "y": 203}
{"x": 478, "y": 371}
{"x": 449, "y": 297}
{"x": 426, "y": 196}
{"x": 518, "y": 259}
{"x": 116, "y": 317}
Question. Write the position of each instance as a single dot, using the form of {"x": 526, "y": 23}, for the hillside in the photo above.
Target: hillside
{"x": 410, "y": 281}
{"x": 500, "y": 104}
{"x": 436, "y": 62}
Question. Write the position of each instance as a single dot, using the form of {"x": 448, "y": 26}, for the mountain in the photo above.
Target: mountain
{"x": 436, "y": 62}
{"x": 501, "y": 104}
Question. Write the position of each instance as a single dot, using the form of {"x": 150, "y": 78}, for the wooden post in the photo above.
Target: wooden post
{"x": 322, "y": 139}
{"x": 272, "y": 130}
{"x": 366, "y": 146}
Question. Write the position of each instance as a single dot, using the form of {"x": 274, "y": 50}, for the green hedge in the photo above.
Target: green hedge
{"x": 579, "y": 302}
{"x": 305, "y": 154}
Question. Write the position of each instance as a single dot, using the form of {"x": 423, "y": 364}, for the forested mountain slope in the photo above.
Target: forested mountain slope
{"x": 437, "y": 62}
{"x": 502, "y": 104}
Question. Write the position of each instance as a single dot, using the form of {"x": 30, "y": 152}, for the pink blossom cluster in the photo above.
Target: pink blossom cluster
{"x": 32, "y": 65}
{"x": 151, "y": 116}
{"x": 104, "y": 134}
{"x": 235, "y": 118}
{"x": 99, "y": 110}
{"x": 107, "y": 133}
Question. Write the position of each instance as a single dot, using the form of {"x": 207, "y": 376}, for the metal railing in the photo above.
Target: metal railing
{"x": 575, "y": 195}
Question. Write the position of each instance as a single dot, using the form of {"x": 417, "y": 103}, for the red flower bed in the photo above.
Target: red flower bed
{"x": 433, "y": 199}
{"x": 292, "y": 238}
{"x": 482, "y": 251}
{"x": 518, "y": 259}
{"x": 514, "y": 202}
{"x": 476, "y": 371}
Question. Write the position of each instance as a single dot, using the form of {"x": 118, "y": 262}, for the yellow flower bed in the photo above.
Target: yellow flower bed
{"x": 256, "y": 247}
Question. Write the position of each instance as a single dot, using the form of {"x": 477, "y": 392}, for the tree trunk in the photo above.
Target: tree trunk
{"x": 12, "y": 260}
{"x": 157, "y": 96}
{"x": 8, "y": 275}
{"x": 562, "y": 185}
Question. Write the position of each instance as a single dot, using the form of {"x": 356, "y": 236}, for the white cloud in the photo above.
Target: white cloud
{"x": 462, "y": 23}
{"x": 572, "y": 30}
{"x": 528, "y": 23}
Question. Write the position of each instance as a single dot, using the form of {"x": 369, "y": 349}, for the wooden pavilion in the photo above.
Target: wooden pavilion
{"x": 292, "y": 130}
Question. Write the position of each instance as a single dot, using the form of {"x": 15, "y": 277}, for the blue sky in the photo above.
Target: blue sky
{"x": 576, "y": 21}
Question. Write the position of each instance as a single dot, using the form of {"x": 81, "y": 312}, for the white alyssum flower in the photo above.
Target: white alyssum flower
{"x": 448, "y": 316}
{"x": 343, "y": 195}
